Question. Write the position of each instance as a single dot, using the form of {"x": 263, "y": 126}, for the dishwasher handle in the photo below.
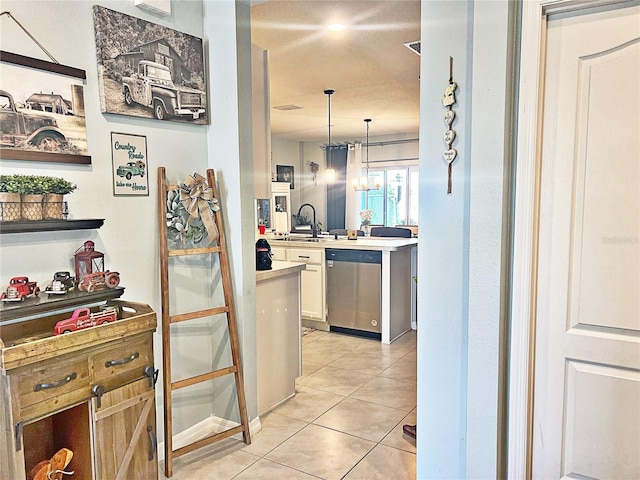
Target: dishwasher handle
{"x": 329, "y": 263}
{"x": 353, "y": 256}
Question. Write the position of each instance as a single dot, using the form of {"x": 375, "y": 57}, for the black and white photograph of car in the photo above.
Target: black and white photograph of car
{"x": 41, "y": 112}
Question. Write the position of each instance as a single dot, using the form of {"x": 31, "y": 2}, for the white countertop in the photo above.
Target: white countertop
{"x": 279, "y": 268}
{"x": 328, "y": 241}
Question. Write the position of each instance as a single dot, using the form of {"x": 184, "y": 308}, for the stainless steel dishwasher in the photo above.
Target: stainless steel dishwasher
{"x": 354, "y": 279}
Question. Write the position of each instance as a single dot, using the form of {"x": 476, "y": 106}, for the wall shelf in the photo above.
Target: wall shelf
{"x": 24, "y": 226}
{"x": 44, "y": 303}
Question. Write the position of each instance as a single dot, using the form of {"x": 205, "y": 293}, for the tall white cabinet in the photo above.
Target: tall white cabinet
{"x": 281, "y": 207}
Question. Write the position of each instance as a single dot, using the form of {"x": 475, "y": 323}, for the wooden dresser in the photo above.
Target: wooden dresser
{"x": 91, "y": 391}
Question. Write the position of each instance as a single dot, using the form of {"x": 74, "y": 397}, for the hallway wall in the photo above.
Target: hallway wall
{"x": 460, "y": 239}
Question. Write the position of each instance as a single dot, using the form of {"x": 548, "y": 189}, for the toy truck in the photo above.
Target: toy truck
{"x": 99, "y": 280}
{"x": 84, "y": 318}
{"x": 61, "y": 284}
{"x": 19, "y": 288}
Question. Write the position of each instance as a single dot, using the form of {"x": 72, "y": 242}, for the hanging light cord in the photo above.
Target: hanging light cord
{"x": 328, "y": 93}
{"x": 367, "y": 166}
{"x": 366, "y": 193}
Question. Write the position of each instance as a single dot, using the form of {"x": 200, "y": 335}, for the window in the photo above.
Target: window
{"x": 396, "y": 201}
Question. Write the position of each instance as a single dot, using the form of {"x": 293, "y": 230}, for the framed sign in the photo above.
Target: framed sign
{"x": 42, "y": 111}
{"x": 129, "y": 154}
{"x": 284, "y": 173}
{"x": 149, "y": 70}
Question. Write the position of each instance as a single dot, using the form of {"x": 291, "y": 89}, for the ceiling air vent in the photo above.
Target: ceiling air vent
{"x": 288, "y": 107}
{"x": 413, "y": 46}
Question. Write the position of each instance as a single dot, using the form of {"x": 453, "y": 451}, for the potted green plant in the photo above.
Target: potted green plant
{"x": 31, "y": 189}
{"x": 55, "y": 189}
{"x": 365, "y": 217}
{"x": 9, "y": 199}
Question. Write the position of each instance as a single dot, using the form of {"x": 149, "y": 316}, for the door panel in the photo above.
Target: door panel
{"x": 605, "y": 247}
{"x": 587, "y": 380}
{"x": 312, "y": 286}
{"x": 125, "y": 433}
{"x": 596, "y": 443}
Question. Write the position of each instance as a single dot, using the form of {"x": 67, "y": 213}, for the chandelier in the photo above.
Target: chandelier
{"x": 330, "y": 172}
{"x": 362, "y": 184}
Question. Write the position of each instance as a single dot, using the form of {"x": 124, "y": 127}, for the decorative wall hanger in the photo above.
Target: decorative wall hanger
{"x": 47, "y": 127}
{"x": 448, "y": 100}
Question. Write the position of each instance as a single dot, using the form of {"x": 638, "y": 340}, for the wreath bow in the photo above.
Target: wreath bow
{"x": 196, "y": 196}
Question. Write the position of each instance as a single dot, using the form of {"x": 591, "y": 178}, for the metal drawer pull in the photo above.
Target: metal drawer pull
{"x": 154, "y": 442}
{"x": 122, "y": 361}
{"x": 44, "y": 386}
{"x": 303, "y": 256}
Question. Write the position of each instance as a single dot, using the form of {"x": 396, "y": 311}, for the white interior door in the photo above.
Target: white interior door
{"x": 586, "y": 421}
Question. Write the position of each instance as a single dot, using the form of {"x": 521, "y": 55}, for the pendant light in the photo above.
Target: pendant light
{"x": 330, "y": 173}
{"x": 362, "y": 184}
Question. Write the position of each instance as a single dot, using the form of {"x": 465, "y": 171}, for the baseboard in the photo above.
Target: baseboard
{"x": 318, "y": 325}
{"x": 205, "y": 428}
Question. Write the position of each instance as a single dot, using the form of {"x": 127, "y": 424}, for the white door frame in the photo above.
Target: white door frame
{"x": 525, "y": 241}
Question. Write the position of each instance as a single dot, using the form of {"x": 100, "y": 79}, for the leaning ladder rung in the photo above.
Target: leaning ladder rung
{"x": 207, "y": 440}
{"x": 209, "y": 312}
{"x": 187, "y": 382}
{"x": 167, "y": 320}
{"x": 193, "y": 251}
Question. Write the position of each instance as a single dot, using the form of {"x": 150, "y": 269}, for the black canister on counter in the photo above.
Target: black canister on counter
{"x": 263, "y": 255}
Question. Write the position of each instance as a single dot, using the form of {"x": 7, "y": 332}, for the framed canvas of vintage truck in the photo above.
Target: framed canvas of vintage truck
{"x": 148, "y": 70}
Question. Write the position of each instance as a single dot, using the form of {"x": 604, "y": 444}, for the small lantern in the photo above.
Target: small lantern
{"x": 87, "y": 260}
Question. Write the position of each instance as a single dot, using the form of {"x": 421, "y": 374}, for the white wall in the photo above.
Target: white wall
{"x": 459, "y": 244}
{"x": 287, "y": 152}
{"x": 129, "y": 237}
{"x": 261, "y": 122}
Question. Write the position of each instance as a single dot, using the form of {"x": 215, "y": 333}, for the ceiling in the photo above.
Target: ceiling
{"x": 373, "y": 73}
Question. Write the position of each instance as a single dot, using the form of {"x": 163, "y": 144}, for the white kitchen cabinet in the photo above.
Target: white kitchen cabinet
{"x": 313, "y": 281}
{"x": 313, "y": 292}
{"x": 281, "y": 207}
{"x": 279, "y": 254}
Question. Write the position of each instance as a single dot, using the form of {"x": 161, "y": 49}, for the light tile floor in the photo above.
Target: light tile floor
{"x": 345, "y": 421}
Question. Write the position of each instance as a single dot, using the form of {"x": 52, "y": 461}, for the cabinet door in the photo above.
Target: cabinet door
{"x": 125, "y": 433}
{"x": 313, "y": 292}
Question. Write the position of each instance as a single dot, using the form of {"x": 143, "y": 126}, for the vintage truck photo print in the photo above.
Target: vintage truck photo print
{"x": 148, "y": 70}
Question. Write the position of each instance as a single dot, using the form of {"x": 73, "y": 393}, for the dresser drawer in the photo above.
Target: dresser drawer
{"x": 52, "y": 387}
{"x": 127, "y": 360}
{"x": 306, "y": 255}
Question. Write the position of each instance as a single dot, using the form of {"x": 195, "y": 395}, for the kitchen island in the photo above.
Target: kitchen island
{"x": 397, "y": 286}
{"x": 278, "y": 333}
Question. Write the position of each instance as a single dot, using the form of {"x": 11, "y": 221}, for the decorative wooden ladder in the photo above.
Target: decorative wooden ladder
{"x": 168, "y": 319}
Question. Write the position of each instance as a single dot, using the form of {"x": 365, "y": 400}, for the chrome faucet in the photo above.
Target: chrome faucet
{"x": 314, "y": 228}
